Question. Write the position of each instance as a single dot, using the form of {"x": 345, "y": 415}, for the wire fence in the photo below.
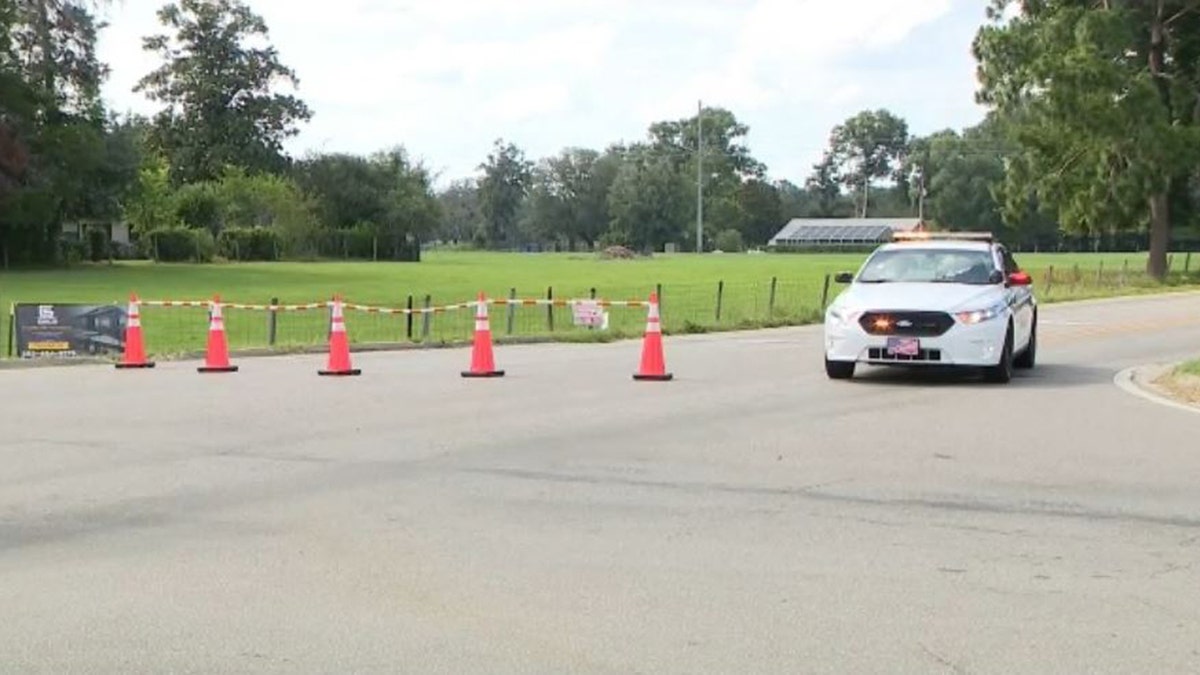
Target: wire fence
{"x": 171, "y": 327}
{"x": 180, "y": 326}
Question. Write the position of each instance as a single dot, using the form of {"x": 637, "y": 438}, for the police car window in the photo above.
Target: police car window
{"x": 1010, "y": 263}
{"x": 942, "y": 265}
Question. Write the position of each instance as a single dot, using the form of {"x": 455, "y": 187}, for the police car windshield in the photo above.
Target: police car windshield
{"x": 929, "y": 265}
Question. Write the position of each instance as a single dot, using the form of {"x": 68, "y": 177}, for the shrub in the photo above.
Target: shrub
{"x": 730, "y": 241}
{"x": 180, "y": 244}
{"x": 249, "y": 243}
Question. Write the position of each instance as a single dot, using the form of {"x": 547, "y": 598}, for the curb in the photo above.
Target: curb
{"x": 1137, "y": 381}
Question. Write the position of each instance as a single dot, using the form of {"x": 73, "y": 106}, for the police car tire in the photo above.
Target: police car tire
{"x": 839, "y": 370}
{"x": 1027, "y": 358}
{"x": 1002, "y": 372}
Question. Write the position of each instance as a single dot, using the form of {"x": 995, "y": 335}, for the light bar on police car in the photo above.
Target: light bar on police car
{"x": 942, "y": 236}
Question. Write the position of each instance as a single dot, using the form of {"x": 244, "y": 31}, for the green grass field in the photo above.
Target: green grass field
{"x": 689, "y": 284}
{"x": 1189, "y": 368}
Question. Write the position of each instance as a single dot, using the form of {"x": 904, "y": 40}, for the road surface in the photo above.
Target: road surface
{"x": 750, "y": 516}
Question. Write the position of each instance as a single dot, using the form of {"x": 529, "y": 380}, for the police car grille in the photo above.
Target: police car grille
{"x": 914, "y": 324}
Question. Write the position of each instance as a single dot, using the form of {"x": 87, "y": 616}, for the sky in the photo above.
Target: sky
{"x": 446, "y": 78}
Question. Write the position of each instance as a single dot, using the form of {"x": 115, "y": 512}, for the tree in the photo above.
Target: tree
{"x": 61, "y": 158}
{"x": 824, "y": 190}
{"x": 55, "y": 42}
{"x": 568, "y": 200}
{"x": 461, "y": 215}
{"x": 650, "y": 200}
{"x": 866, "y": 147}
{"x": 761, "y": 211}
{"x": 726, "y": 159}
{"x": 386, "y": 193}
{"x": 1103, "y": 100}
{"x": 150, "y": 204}
{"x": 726, "y": 156}
{"x": 220, "y": 108}
{"x": 502, "y": 190}
{"x": 348, "y": 189}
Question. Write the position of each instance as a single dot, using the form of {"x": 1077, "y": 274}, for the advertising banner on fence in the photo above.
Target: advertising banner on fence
{"x": 69, "y": 330}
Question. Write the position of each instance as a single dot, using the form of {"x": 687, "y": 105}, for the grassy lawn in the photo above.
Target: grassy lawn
{"x": 1191, "y": 368}
{"x": 689, "y": 284}
{"x": 1183, "y": 382}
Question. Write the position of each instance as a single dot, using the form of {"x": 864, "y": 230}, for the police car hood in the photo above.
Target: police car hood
{"x": 919, "y": 296}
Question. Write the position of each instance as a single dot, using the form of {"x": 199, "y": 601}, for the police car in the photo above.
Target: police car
{"x": 943, "y": 299}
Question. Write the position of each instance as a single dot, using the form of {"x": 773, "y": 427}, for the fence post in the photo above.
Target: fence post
{"x": 1170, "y": 260}
{"x": 512, "y": 308}
{"x": 771, "y": 300}
{"x": 1124, "y": 271}
{"x": 272, "y": 321}
{"x": 550, "y": 308}
{"x": 1100, "y": 274}
{"x": 658, "y": 294}
{"x": 720, "y": 293}
{"x": 12, "y": 327}
{"x": 408, "y": 319}
{"x": 1049, "y": 279}
{"x": 1187, "y": 263}
{"x": 375, "y": 249}
{"x": 426, "y": 317}
{"x": 825, "y": 293}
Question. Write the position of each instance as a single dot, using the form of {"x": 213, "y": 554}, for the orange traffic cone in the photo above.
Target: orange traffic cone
{"x": 653, "y": 367}
{"x": 339, "y": 346}
{"x": 135, "y": 349}
{"x": 482, "y": 364}
{"x": 217, "y": 358}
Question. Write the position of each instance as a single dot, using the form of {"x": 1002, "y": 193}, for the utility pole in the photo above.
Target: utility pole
{"x": 921, "y": 196}
{"x": 699, "y": 177}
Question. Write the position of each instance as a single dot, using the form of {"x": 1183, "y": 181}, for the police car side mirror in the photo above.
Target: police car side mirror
{"x": 996, "y": 277}
{"x": 843, "y": 277}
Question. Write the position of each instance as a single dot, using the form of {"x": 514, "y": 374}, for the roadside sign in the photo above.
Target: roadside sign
{"x": 44, "y": 330}
{"x": 589, "y": 313}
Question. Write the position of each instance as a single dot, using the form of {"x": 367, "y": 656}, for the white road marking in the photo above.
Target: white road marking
{"x": 1125, "y": 380}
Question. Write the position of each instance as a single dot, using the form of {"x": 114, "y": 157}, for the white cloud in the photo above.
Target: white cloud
{"x": 446, "y": 77}
{"x": 523, "y": 103}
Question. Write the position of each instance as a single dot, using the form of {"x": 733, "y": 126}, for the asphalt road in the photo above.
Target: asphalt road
{"x": 750, "y": 516}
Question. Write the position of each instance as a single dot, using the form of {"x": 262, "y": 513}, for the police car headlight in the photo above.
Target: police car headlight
{"x": 840, "y": 315}
{"x": 975, "y": 316}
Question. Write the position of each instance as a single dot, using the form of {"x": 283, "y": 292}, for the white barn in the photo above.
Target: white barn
{"x": 801, "y": 232}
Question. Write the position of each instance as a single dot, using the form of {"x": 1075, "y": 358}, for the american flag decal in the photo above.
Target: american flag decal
{"x": 904, "y": 346}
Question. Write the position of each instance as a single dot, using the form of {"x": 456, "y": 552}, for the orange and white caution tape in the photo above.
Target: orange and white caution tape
{"x": 372, "y": 309}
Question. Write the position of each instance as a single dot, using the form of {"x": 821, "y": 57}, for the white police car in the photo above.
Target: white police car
{"x": 944, "y": 299}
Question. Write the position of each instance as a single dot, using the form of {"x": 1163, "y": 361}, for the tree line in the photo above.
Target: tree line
{"x": 1091, "y": 134}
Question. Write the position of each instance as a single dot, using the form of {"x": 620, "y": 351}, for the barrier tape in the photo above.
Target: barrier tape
{"x": 234, "y": 305}
{"x": 371, "y": 309}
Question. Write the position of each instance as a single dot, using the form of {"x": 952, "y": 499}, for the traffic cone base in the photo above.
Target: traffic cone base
{"x": 660, "y": 378}
{"x": 144, "y": 364}
{"x": 482, "y": 360}
{"x": 217, "y": 369}
{"x": 485, "y": 373}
